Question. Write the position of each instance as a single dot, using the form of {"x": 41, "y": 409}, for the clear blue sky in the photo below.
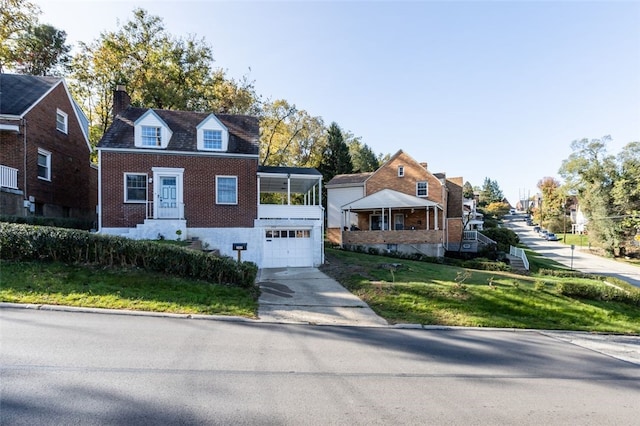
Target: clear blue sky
{"x": 477, "y": 89}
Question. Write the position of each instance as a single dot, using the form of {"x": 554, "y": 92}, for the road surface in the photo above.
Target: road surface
{"x": 580, "y": 260}
{"x": 61, "y": 368}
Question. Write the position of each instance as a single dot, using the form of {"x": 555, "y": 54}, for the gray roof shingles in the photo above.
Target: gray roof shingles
{"x": 244, "y": 130}
{"x": 18, "y": 92}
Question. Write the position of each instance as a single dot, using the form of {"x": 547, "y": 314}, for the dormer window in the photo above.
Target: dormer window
{"x": 61, "y": 121}
{"x": 151, "y": 136}
{"x": 212, "y": 139}
{"x": 400, "y": 171}
{"x": 151, "y": 131}
{"x": 212, "y": 135}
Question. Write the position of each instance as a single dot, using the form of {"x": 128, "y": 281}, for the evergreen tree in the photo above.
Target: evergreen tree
{"x": 336, "y": 159}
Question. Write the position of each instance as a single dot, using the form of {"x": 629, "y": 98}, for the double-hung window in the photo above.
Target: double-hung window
{"x": 226, "y": 190}
{"x": 400, "y": 171}
{"x": 135, "y": 188}
{"x": 44, "y": 164}
{"x": 151, "y": 136}
{"x": 422, "y": 189}
{"x": 212, "y": 139}
{"x": 62, "y": 121}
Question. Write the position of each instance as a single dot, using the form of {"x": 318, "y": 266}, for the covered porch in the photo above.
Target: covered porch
{"x": 289, "y": 193}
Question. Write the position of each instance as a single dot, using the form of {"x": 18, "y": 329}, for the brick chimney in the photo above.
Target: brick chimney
{"x": 121, "y": 100}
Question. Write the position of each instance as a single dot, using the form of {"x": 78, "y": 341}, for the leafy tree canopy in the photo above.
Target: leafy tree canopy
{"x": 490, "y": 192}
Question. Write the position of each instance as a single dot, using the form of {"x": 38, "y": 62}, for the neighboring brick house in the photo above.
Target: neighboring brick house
{"x": 402, "y": 207}
{"x": 191, "y": 175}
{"x": 45, "y": 166}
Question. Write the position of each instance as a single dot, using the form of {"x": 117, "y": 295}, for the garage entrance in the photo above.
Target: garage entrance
{"x": 287, "y": 247}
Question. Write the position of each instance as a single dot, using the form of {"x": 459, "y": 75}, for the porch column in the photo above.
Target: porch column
{"x": 288, "y": 190}
{"x": 427, "y": 217}
{"x": 258, "y": 201}
{"x": 437, "y": 224}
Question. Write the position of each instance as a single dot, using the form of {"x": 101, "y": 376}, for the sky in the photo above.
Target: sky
{"x": 478, "y": 89}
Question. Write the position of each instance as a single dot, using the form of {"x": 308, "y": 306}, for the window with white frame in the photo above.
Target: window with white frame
{"x": 44, "y": 164}
{"x": 62, "y": 120}
{"x": 422, "y": 189}
{"x": 212, "y": 139}
{"x": 135, "y": 188}
{"x": 400, "y": 171}
{"x": 151, "y": 136}
{"x": 226, "y": 190}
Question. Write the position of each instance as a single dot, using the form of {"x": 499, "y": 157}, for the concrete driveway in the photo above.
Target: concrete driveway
{"x": 308, "y": 296}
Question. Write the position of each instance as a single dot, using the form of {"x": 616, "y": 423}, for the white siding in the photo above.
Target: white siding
{"x": 338, "y": 197}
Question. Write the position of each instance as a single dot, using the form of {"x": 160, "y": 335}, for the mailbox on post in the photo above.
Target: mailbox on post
{"x": 239, "y": 247}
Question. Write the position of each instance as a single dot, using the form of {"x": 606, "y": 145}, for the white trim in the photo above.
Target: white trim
{"x": 178, "y": 173}
{"x": 400, "y": 171}
{"x": 10, "y": 127}
{"x": 236, "y": 190}
{"x": 65, "y": 121}
{"x": 212, "y": 123}
{"x": 196, "y": 153}
{"x": 146, "y": 196}
{"x": 426, "y": 182}
{"x": 48, "y": 156}
{"x": 151, "y": 119}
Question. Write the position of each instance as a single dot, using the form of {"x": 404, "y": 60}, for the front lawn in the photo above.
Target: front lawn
{"x": 100, "y": 287}
{"x": 436, "y": 294}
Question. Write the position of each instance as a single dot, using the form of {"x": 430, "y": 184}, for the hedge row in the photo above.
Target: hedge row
{"x": 60, "y": 222}
{"x": 600, "y": 292}
{"x": 27, "y": 243}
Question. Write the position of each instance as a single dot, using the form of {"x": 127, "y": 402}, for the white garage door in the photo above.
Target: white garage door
{"x": 287, "y": 247}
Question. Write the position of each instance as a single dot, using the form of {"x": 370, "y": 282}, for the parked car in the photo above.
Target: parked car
{"x": 512, "y": 211}
{"x": 536, "y": 228}
{"x": 551, "y": 237}
{"x": 543, "y": 233}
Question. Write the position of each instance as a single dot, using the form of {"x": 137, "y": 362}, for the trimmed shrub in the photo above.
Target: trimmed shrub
{"x": 600, "y": 292}
{"x": 29, "y": 243}
{"x": 59, "y": 222}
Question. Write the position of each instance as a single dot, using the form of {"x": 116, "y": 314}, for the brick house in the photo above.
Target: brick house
{"x": 402, "y": 207}
{"x": 192, "y": 175}
{"x": 45, "y": 166}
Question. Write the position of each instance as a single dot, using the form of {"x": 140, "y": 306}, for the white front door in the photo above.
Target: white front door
{"x": 168, "y": 198}
{"x": 168, "y": 193}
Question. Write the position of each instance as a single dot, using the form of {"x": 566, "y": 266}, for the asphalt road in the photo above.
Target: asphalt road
{"x": 580, "y": 260}
{"x": 61, "y": 368}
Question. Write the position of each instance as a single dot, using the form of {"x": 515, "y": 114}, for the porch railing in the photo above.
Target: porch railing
{"x": 8, "y": 177}
{"x": 174, "y": 212}
{"x": 277, "y": 211}
{"x": 477, "y": 236}
{"x": 519, "y": 253}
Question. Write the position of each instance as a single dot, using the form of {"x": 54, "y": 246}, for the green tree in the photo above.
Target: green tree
{"x": 552, "y": 202}
{"x": 158, "y": 70}
{"x": 336, "y": 159}
{"x": 490, "y": 192}
{"x": 591, "y": 173}
{"x": 290, "y": 137}
{"x": 41, "y": 50}
{"x": 16, "y": 17}
{"x": 362, "y": 156}
{"x": 626, "y": 192}
{"x": 467, "y": 190}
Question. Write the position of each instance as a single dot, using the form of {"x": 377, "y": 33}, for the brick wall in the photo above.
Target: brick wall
{"x": 71, "y": 191}
{"x": 201, "y": 210}
{"x": 454, "y": 198}
{"x": 387, "y": 178}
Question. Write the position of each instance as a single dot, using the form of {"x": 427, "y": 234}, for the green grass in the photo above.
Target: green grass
{"x": 575, "y": 239}
{"x": 59, "y": 284}
{"x": 435, "y": 294}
